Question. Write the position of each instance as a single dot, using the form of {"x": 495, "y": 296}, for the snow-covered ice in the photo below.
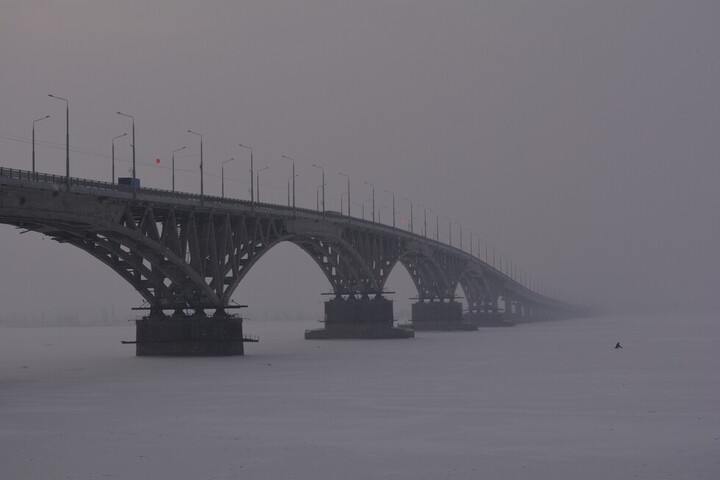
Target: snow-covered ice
{"x": 550, "y": 400}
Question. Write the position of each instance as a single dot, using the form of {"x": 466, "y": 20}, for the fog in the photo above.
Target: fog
{"x": 577, "y": 138}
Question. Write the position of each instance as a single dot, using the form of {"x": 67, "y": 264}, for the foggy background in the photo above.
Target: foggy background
{"x": 578, "y": 138}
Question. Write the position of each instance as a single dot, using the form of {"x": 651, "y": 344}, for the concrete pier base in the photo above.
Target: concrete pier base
{"x": 488, "y": 319}
{"x": 439, "y": 316}
{"x": 358, "y": 318}
{"x": 189, "y": 336}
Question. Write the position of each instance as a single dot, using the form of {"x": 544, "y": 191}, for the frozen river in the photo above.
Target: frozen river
{"x": 550, "y": 400}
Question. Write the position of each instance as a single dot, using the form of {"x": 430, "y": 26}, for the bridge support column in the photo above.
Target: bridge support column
{"x": 358, "y": 318}
{"x": 517, "y": 312}
{"x": 487, "y": 316}
{"x": 438, "y": 315}
{"x": 189, "y": 335}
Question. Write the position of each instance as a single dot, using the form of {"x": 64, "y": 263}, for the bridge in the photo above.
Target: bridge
{"x": 187, "y": 253}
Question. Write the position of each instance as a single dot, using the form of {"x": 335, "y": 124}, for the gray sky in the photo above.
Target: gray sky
{"x": 578, "y": 137}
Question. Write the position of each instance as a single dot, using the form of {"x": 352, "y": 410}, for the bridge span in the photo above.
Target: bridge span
{"x": 187, "y": 253}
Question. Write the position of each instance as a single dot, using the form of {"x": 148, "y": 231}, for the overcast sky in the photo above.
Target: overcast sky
{"x": 578, "y": 137}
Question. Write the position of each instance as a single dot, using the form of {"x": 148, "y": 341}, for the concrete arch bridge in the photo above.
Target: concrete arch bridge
{"x": 186, "y": 254}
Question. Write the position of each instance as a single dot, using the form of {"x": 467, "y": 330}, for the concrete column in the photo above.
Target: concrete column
{"x": 193, "y": 335}
{"x": 358, "y": 318}
{"x": 490, "y": 316}
{"x": 439, "y": 315}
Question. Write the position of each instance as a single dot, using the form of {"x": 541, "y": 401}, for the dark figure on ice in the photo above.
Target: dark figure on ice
{"x": 617, "y": 345}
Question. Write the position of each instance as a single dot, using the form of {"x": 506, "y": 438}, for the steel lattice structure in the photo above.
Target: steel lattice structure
{"x": 183, "y": 251}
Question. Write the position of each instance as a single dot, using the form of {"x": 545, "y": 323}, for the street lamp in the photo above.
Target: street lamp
{"x": 425, "y": 209}
{"x": 380, "y": 209}
{"x": 222, "y": 177}
{"x": 257, "y": 174}
{"x": 363, "y": 208}
{"x": 342, "y": 205}
{"x": 173, "y": 166}
{"x": 348, "y": 192}
{"x": 449, "y": 230}
{"x": 412, "y": 229}
{"x": 112, "y": 179}
{"x": 133, "y": 145}
{"x": 252, "y": 175}
{"x": 323, "y": 186}
{"x": 288, "y": 192}
{"x": 393, "y": 205}
{"x": 202, "y": 191}
{"x": 461, "y": 234}
{"x": 437, "y": 225}
{"x": 373, "y": 198}
{"x": 67, "y": 137}
{"x": 34, "y": 122}
{"x": 293, "y": 180}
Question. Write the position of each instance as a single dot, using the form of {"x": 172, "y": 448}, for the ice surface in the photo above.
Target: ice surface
{"x": 550, "y": 400}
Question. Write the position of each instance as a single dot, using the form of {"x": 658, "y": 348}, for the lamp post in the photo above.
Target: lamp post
{"x": 173, "y": 166}
{"x": 202, "y": 190}
{"x": 222, "y": 176}
{"x": 373, "y": 199}
{"x": 133, "y": 145}
{"x": 363, "y": 207}
{"x": 412, "y": 229}
{"x": 288, "y": 191}
{"x": 449, "y": 231}
{"x": 257, "y": 175}
{"x": 393, "y": 205}
{"x": 437, "y": 225}
{"x": 67, "y": 137}
{"x": 425, "y": 209}
{"x": 293, "y": 180}
{"x": 348, "y": 192}
{"x": 112, "y": 179}
{"x": 342, "y": 204}
{"x": 380, "y": 209}
{"x": 33, "y": 142}
{"x": 323, "y": 186}
{"x": 252, "y": 191}
{"x": 461, "y": 234}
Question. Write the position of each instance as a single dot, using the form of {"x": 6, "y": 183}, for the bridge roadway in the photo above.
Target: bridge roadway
{"x": 186, "y": 253}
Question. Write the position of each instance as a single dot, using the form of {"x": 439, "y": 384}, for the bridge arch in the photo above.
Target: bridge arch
{"x": 344, "y": 268}
{"x": 475, "y": 287}
{"x": 428, "y": 277}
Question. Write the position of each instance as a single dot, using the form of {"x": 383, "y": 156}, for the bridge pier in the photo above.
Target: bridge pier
{"x": 358, "y": 318}
{"x": 486, "y": 316}
{"x": 189, "y": 335}
{"x": 439, "y": 315}
{"x": 513, "y": 311}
